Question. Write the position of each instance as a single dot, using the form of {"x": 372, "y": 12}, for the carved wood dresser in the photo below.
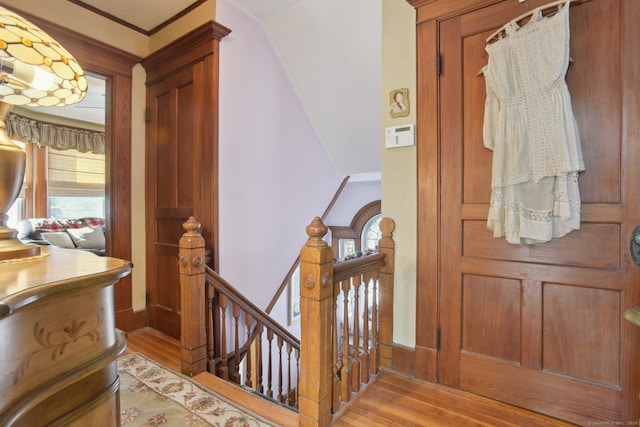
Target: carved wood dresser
{"x": 58, "y": 340}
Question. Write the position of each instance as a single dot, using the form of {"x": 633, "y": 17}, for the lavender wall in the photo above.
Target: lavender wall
{"x": 355, "y": 195}
{"x": 274, "y": 173}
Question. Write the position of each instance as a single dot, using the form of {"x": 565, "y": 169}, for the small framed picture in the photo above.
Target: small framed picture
{"x": 294, "y": 297}
{"x": 399, "y": 103}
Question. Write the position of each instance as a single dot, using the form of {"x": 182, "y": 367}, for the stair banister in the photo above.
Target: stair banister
{"x": 328, "y": 372}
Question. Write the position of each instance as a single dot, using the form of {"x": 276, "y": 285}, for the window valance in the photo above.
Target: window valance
{"x": 54, "y": 135}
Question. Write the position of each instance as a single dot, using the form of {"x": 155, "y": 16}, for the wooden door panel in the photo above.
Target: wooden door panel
{"x": 545, "y": 392}
{"x": 594, "y": 80}
{"x": 491, "y": 317}
{"x": 539, "y": 326}
{"x": 573, "y": 276}
{"x": 581, "y": 335}
{"x": 479, "y": 242}
{"x": 166, "y": 150}
{"x": 477, "y": 176}
{"x": 167, "y": 301}
{"x": 185, "y": 137}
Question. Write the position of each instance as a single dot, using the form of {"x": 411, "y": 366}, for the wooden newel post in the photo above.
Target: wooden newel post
{"x": 386, "y": 246}
{"x": 192, "y": 299}
{"x": 316, "y": 314}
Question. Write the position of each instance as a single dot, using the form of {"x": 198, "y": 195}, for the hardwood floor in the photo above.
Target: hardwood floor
{"x": 392, "y": 400}
{"x": 156, "y": 346}
{"x": 397, "y": 400}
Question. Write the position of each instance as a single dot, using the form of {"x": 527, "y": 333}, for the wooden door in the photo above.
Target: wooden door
{"x": 182, "y": 102}
{"x": 171, "y": 103}
{"x": 542, "y": 326}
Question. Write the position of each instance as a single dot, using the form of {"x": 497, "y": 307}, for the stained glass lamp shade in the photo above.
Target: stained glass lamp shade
{"x": 36, "y": 71}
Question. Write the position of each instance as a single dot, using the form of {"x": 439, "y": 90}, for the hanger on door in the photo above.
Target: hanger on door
{"x": 529, "y": 13}
{"x": 525, "y": 15}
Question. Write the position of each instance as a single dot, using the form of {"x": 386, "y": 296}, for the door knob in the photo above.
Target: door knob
{"x": 635, "y": 246}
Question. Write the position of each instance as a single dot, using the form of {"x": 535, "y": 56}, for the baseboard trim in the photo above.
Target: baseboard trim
{"x": 140, "y": 319}
{"x": 404, "y": 360}
{"x": 128, "y": 320}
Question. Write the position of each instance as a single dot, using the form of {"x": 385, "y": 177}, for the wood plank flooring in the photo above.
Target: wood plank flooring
{"x": 156, "y": 346}
{"x": 392, "y": 400}
{"x": 397, "y": 400}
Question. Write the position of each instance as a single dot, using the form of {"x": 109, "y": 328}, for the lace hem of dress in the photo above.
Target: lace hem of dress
{"x": 535, "y": 218}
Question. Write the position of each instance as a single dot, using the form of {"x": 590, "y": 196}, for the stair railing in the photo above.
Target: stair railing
{"x": 346, "y": 326}
{"x": 227, "y": 335}
{"x": 340, "y": 348}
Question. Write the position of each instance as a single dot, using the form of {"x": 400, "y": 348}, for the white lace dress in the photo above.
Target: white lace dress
{"x": 530, "y": 127}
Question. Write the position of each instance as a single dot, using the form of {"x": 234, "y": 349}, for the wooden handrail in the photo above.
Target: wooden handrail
{"x": 226, "y": 334}
{"x": 236, "y": 297}
{"x": 287, "y": 279}
{"x": 356, "y": 266}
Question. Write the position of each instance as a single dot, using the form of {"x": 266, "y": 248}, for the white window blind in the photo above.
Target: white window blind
{"x": 72, "y": 173}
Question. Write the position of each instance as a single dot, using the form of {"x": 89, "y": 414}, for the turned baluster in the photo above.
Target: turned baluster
{"x": 355, "y": 357}
{"x": 248, "y": 319}
{"x": 236, "y": 344}
{"x": 280, "y": 367}
{"x": 364, "y": 355}
{"x": 335, "y": 354}
{"x": 289, "y": 399}
{"x": 270, "y": 364}
{"x": 259, "y": 367}
{"x": 224, "y": 370}
{"x": 373, "y": 357}
{"x": 345, "y": 376}
{"x": 211, "y": 346}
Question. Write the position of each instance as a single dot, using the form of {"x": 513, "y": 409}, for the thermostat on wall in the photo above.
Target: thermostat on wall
{"x": 400, "y": 136}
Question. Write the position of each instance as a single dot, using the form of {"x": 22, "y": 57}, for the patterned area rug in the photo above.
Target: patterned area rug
{"x": 152, "y": 395}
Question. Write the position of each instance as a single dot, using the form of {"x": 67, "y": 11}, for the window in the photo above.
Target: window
{"x": 362, "y": 234}
{"x": 346, "y": 247}
{"x": 371, "y": 233}
{"x": 75, "y": 184}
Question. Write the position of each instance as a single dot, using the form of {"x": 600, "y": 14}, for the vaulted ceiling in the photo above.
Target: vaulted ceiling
{"x": 330, "y": 49}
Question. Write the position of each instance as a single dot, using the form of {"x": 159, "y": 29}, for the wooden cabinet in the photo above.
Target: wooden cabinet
{"x": 59, "y": 340}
